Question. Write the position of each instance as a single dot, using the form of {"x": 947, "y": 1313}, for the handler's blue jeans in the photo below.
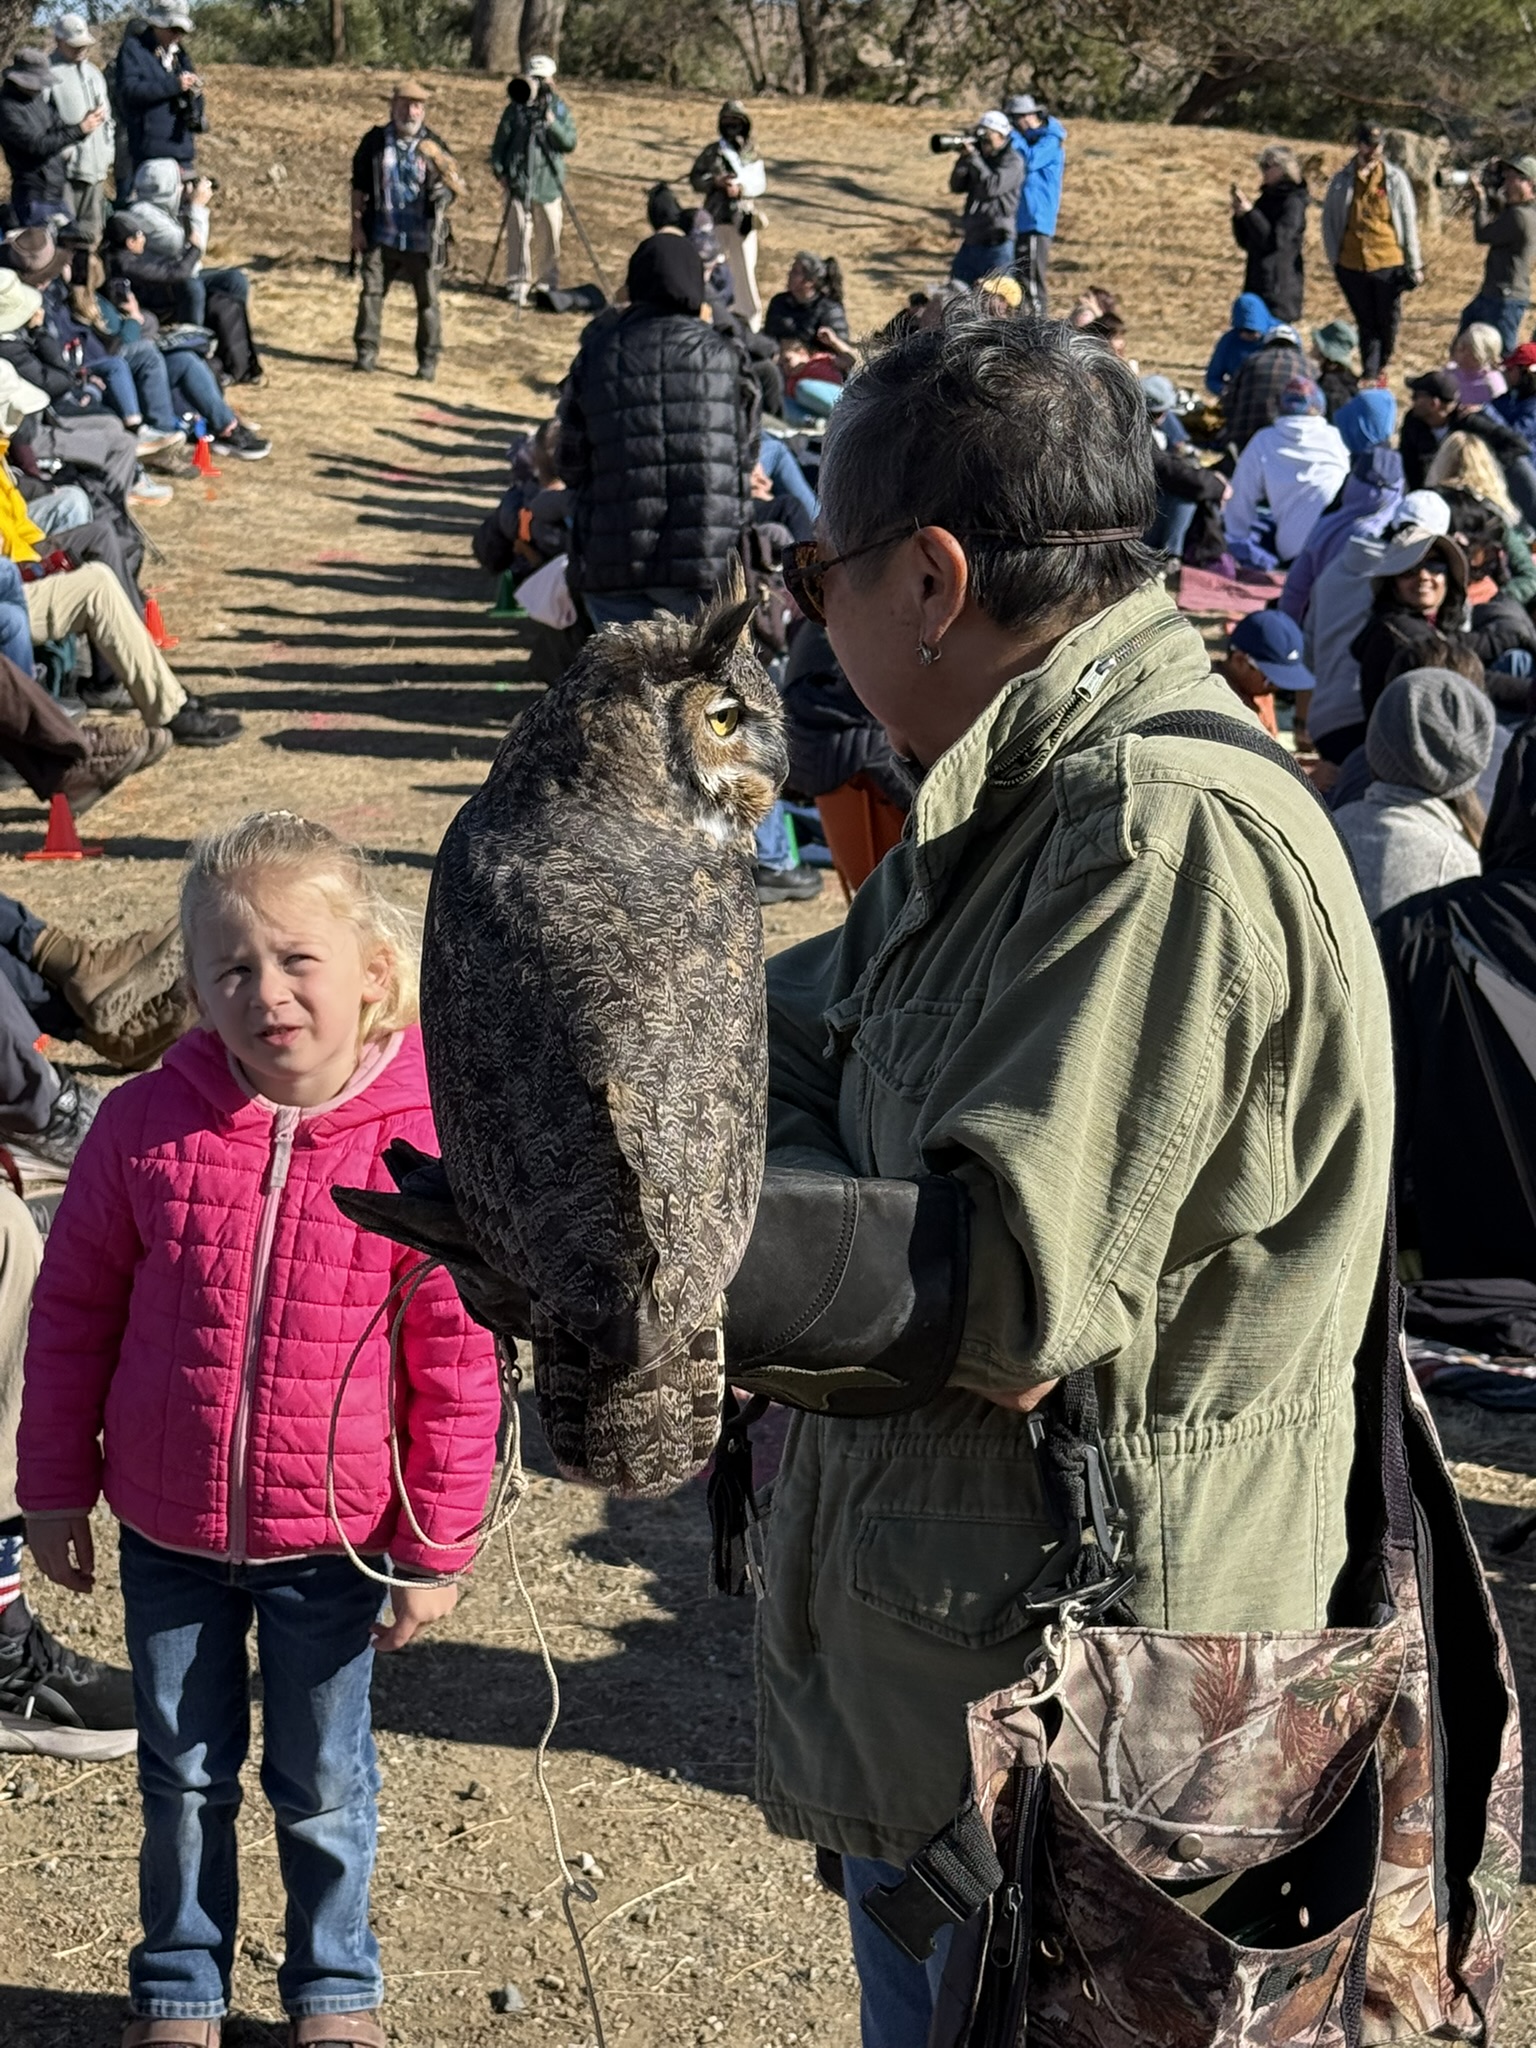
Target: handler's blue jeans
{"x": 896, "y": 1995}
{"x": 187, "y": 1618}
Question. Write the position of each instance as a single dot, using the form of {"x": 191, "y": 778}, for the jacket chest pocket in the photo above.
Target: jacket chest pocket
{"x": 906, "y": 1048}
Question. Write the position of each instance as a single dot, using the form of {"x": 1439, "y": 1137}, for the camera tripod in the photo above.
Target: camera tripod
{"x": 569, "y": 205}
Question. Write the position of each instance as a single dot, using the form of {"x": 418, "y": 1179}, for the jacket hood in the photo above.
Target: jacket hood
{"x": 201, "y": 1061}
{"x": 159, "y": 182}
{"x": 1510, "y": 838}
{"x": 1373, "y": 489}
{"x": 1249, "y": 311}
{"x": 1368, "y": 420}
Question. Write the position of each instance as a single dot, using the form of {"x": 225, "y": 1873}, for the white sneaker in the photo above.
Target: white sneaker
{"x": 156, "y": 440}
{"x": 145, "y": 491}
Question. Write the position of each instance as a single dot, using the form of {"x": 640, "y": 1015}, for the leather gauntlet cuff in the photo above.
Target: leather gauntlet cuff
{"x": 851, "y": 1297}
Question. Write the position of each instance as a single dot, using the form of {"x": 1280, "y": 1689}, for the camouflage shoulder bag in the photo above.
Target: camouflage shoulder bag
{"x": 1244, "y": 1840}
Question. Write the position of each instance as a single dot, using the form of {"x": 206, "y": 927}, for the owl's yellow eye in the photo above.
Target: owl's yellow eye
{"x": 724, "y": 719}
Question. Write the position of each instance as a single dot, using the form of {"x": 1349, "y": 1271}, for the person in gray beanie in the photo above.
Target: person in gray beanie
{"x": 1419, "y": 823}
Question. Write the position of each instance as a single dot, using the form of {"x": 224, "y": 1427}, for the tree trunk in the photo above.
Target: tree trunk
{"x": 810, "y": 47}
{"x": 540, "y": 35}
{"x": 338, "y": 31}
{"x": 1213, "y": 90}
{"x": 493, "y": 35}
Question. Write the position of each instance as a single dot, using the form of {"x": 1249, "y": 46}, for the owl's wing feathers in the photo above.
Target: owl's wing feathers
{"x": 678, "y": 1055}
{"x": 597, "y": 1047}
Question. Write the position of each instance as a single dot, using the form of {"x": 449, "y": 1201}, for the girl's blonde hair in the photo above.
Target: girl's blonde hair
{"x": 1483, "y": 343}
{"x": 278, "y": 846}
{"x": 1465, "y": 462}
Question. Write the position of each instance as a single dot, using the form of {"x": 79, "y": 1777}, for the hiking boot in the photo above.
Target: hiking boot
{"x": 128, "y": 993}
{"x": 107, "y": 695}
{"x": 426, "y": 370}
{"x": 116, "y": 749}
{"x": 239, "y": 440}
{"x": 145, "y": 491}
{"x": 54, "y": 1702}
{"x": 197, "y": 724}
{"x": 366, "y": 364}
{"x": 787, "y": 885}
{"x": 73, "y": 1112}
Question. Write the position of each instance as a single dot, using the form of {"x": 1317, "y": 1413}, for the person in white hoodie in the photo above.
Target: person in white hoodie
{"x": 78, "y": 87}
{"x": 1295, "y": 468}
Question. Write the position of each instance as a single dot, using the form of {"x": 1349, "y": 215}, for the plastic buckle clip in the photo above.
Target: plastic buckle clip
{"x": 915, "y": 1912}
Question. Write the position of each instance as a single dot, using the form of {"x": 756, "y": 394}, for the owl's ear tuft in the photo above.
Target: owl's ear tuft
{"x": 722, "y": 628}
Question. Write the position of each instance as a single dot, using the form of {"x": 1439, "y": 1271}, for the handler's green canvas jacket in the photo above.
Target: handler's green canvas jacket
{"x": 1127, "y": 991}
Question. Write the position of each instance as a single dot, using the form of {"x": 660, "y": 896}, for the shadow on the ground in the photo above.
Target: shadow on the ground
{"x": 369, "y": 744}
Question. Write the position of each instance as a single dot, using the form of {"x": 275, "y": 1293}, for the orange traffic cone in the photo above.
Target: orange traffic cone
{"x": 61, "y": 841}
{"x": 202, "y": 457}
{"x": 154, "y": 625}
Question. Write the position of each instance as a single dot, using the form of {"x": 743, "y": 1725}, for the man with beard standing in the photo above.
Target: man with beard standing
{"x": 404, "y": 179}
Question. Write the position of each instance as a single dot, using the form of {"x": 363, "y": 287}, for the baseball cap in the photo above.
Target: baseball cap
{"x": 74, "y": 31}
{"x": 1282, "y": 331}
{"x": 995, "y": 123}
{"x": 1159, "y": 394}
{"x": 541, "y": 67}
{"x": 1022, "y": 103}
{"x": 1436, "y": 384}
{"x": 169, "y": 17}
{"x": 1524, "y": 165}
{"x": 1272, "y": 642}
{"x": 1521, "y": 358}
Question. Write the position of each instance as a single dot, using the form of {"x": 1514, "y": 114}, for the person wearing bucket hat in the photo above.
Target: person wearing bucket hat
{"x": 1418, "y": 824}
{"x": 1508, "y": 232}
{"x": 1333, "y": 350}
{"x": 990, "y": 175}
{"x": 36, "y": 141}
{"x": 160, "y": 95}
{"x": 78, "y": 90}
{"x": 404, "y": 179}
{"x": 1041, "y": 142}
{"x": 1418, "y": 599}
{"x": 730, "y": 175}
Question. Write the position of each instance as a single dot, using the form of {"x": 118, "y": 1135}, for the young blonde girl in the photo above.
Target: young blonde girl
{"x": 200, "y": 1297}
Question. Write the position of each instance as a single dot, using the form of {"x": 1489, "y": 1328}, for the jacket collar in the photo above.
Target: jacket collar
{"x": 395, "y": 1084}
{"x": 1097, "y": 680}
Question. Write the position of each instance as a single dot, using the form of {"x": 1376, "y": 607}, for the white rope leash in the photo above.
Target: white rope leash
{"x": 496, "y": 1520}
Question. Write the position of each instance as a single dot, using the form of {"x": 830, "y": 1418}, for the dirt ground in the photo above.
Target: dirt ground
{"x": 329, "y": 595}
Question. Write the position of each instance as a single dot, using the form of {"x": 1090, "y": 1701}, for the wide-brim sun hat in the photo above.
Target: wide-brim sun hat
{"x": 18, "y": 302}
{"x": 18, "y": 399}
{"x": 1409, "y": 546}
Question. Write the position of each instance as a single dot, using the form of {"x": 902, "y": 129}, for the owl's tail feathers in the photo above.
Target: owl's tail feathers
{"x": 641, "y": 1432}
{"x": 424, "y": 1215}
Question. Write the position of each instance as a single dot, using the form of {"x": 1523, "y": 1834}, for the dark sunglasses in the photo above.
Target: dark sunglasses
{"x": 805, "y": 568}
{"x": 805, "y": 571}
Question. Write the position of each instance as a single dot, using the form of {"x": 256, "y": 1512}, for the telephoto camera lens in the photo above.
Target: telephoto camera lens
{"x": 947, "y": 144}
{"x": 519, "y": 92}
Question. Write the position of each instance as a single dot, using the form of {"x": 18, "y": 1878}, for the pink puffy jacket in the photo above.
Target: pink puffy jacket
{"x": 199, "y": 1299}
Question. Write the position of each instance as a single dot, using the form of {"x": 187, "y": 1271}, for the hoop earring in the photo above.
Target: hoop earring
{"x": 927, "y": 655}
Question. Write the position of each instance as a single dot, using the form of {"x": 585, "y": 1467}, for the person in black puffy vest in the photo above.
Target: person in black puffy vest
{"x": 658, "y": 435}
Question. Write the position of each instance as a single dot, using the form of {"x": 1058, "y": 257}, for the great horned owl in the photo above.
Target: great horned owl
{"x": 593, "y": 1009}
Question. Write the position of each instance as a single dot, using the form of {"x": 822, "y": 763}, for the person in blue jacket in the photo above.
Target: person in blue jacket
{"x": 160, "y": 95}
{"x": 1041, "y": 141}
{"x": 1251, "y": 321}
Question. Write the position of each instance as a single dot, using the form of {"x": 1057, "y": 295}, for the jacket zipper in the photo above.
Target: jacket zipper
{"x": 284, "y": 1128}
{"x": 1008, "y": 769}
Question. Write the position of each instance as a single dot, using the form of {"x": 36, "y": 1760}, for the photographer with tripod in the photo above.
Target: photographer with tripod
{"x": 1508, "y": 232}
{"x": 990, "y": 172}
{"x": 533, "y": 139}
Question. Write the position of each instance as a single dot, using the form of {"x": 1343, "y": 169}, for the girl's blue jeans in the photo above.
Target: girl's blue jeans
{"x": 187, "y": 1618}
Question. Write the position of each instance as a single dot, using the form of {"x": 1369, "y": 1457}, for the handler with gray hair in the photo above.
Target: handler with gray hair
{"x": 1272, "y": 230}
{"x": 1117, "y": 988}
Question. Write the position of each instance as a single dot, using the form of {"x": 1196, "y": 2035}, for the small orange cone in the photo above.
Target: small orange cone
{"x": 202, "y": 457}
{"x": 62, "y": 841}
{"x": 154, "y": 625}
